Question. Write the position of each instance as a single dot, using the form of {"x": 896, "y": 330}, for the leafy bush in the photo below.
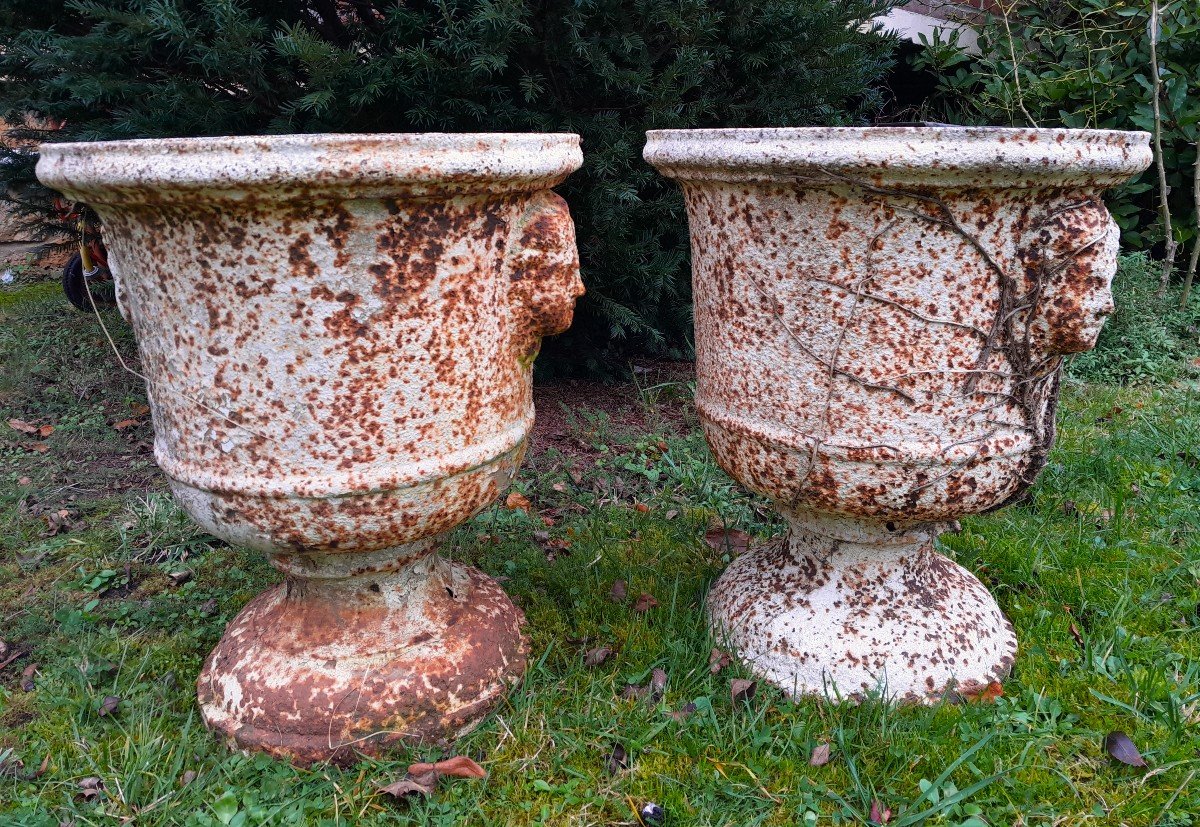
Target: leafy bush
{"x": 607, "y": 69}
{"x": 1086, "y": 64}
{"x": 1148, "y": 337}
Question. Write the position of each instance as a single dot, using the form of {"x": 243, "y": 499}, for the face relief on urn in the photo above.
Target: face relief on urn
{"x": 881, "y": 316}
{"x": 338, "y": 334}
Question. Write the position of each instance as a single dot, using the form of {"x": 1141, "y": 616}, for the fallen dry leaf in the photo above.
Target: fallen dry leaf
{"x": 633, "y": 692}
{"x": 820, "y": 756}
{"x": 718, "y": 660}
{"x": 407, "y": 786}
{"x": 645, "y": 603}
{"x": 727, "y": 540}
{"x": 516, "y": 500}
{"x": 422, "y": 777}
{"x": 617, "y": 760}
{"x": 109, "y": 705}
{"x": 1121, "y": 747}
{"x": 41, "y": 770}
{"x": 684, "y": 712}
{"x": 90, "y": 788}
{"x": 22, "y": 426}
{"x": 742, "y": 690}
{"x": 1074, "y": 630}
{"x": 597, "y": 656}
{"x": 641, "y": 507}
{"x": 126, "y": 423}
{"x": 458, "y": 766}
{"x": 24, "y": 481}
{"x": 560, "y": 487}
{"x": 45, "y": 431}
{"x": 617, "y": 593}
{"x": 658, "y": 684}
{"x": 139, "y": 409}
{"x": 187, "y": 778}
{"x": 39, "y": 447}
{"x": 27, "y": 684}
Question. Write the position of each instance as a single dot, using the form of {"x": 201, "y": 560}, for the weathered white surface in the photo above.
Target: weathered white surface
{"x": 338, "y": 333}
{"x": 880, "y": 320}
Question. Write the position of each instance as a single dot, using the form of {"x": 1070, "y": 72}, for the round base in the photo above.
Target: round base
{"x": 326, "y": 667}
{"x": 858, "y": 609}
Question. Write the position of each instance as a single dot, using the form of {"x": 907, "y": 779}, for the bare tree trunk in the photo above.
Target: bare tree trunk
{"x": 1164, "y": 208}
{"x": 1191, "y": 270}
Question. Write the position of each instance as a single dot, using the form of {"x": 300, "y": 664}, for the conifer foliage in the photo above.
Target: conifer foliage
{"x": 607, "y": 69}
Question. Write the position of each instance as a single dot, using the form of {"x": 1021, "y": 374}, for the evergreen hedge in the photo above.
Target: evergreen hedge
{"x": 607, "y": 69}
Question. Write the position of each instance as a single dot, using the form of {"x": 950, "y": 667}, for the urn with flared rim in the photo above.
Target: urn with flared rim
{"x": 337, "y": 334}
{"x": 881, "y": 316}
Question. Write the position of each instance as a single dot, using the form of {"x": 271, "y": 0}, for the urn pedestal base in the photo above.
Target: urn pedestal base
{"x": 842, "y": 607}
{"x": 354, "y": 652}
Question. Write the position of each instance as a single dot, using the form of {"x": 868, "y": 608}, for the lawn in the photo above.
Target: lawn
{"x": 110, "y": 599}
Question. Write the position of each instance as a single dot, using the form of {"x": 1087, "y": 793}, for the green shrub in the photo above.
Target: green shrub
{"x": 1086, "y": 64}
{"x": 608, "y": 69}
{"x": 1148, "y": 337}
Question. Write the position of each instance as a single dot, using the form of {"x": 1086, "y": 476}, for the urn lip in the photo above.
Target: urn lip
{"x": 302, "y": 167}
{"x": 966, "y": 156}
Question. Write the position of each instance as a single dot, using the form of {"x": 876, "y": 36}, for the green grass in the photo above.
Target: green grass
{"x": 1109, "y": 542}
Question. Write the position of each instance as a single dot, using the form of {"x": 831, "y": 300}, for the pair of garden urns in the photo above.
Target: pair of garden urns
{"x": 338, "y": 332}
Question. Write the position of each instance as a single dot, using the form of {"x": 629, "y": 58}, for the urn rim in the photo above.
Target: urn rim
{"x": 305, "y": 166}
{"x": 942, "y": 155}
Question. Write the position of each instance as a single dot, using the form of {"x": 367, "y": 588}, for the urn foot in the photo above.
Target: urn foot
{"x": 354, "y": 652}
{"x": 842, "y": 607}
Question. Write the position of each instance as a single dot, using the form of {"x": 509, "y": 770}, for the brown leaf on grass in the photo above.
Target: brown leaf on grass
{"x": 178, "y": 578}
{"x": 645, "y": 603}
{"x": 633, "y": 692}
{"x": 125, "y": 424}
{"x": 60, "y": 521}
{"x": 139, "y": 409}
{"x": 617, "y": 760}
{"x": 718, "y": 660}
{"x": 109, "y": 706}
{"x": 683, "y": 713}
{"x": 457, "y": 766}
{"x": 45, "y": 431}
{"x": 879, "y": 813}
{"x": 27, "y": 684}
{"x": 422, "y": 777}
{"x": 90, "y": 788}
{"x": 408, "y": 786}
{"x": 658, "y": 684}
{"x": 618, "y": 593}
{"x": 742, "y": 690}
{"x": 516, "y": 500}
{"x": 597, "y": 656}
{"x": 10, "y": 652}
{"x": 41, "y": 770}
{"x": 38, "y": 447}
{"x": 22, "y": 426}
{"x": 820, "y": 756}
{"x": 672, "y": 514}
{"x": 560, "y": 487}
{"x": 1074, "y": 630}
{"x": 187, "y": 778}
{"x": 24, "y": 481}
{"x": 1120, "y": 746}
{"x": 641, "y": 508}
{"x": 727, "y": 540}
